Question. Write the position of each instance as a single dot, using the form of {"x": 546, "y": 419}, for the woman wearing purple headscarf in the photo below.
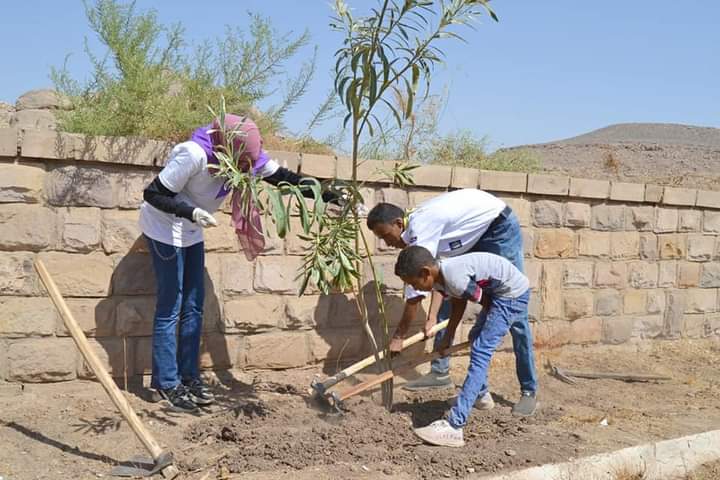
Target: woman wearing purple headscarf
{"x": 178, "y": 205}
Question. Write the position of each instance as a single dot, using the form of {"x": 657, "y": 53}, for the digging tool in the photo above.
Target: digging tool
{"x": 322, "y": 387}
{"x": 337, "y": 399}
{"x": 162, "y": 461}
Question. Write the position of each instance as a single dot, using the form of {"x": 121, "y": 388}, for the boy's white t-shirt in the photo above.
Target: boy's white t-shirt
{"x": 186, "y": 173}
{"x": 450, "y": 224}
{"x": 469, "y": 276}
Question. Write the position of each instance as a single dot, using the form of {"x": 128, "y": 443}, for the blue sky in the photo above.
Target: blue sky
{"x": 547, "y": 70}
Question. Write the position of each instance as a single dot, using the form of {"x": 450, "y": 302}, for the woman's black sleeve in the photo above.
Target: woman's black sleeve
{"x": 284, "y": 175}
{"x": 162, "y": 198}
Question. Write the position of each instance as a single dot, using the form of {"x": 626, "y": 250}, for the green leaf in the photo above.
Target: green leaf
{"x": 280, "y": 215}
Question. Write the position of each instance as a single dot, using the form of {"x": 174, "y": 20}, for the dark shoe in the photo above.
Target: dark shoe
{"x": 430, "y": 381}
{"x": 177, "y": 399}
{"x": 199, "y": 392}
{"x": 526, "y": 406}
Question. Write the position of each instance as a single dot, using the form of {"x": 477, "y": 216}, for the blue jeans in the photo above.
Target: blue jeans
{"x": 487, "y": 333}
{"x": 504, "y": 238}
{"x": 179, "y": 274}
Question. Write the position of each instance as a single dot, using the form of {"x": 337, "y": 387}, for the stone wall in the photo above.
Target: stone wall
{"x": 608, "y": 262}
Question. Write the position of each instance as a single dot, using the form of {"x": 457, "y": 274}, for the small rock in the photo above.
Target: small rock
{"x": 364, "y": 468}
{"x": 510, "y": 453}
{"x": 446, "y": 475}
{"x": 388, "y": 471}
{"x": 471, "y": 470}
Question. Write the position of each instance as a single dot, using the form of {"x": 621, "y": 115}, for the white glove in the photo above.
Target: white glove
{"x": 203, "y": 218}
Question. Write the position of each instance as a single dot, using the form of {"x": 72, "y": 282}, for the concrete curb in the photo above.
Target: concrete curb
{"x": 666, "y": 460}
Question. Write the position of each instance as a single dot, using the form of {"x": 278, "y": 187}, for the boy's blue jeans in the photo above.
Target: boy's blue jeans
{"x": 487, "y": 333}
{"x": 504, "y": 238}
{"x": 179, "y": 274}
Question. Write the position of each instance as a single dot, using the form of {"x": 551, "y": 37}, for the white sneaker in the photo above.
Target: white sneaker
{"x": 485, "y": 402}
{"x": 441, "y": 433}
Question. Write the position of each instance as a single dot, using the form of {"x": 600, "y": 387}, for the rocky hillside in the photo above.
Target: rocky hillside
{"x": 667, "y": 154}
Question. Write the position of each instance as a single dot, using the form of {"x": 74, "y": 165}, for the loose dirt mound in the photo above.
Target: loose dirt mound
{"x": 668, "y": 154}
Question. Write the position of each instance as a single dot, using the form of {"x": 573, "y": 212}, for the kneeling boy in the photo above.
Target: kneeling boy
{"x": 474, "y": 276}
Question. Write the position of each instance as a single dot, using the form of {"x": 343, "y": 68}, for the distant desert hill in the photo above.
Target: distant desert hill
{"x": 668, "y": 154}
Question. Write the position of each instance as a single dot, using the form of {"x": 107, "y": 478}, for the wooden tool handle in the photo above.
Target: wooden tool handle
{"x": 89, "y": 355}
{"x": 408, "y": 342}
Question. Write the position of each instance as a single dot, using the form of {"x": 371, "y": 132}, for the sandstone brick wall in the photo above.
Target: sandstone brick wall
{"x": 608, "y": 262}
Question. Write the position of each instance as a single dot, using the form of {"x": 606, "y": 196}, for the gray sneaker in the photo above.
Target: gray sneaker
{"x": 526, "y": 406}
{"x": 430, "y": 381}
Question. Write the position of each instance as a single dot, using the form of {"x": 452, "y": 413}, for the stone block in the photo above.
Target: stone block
{"x": 306, "y": 312}
{"x": 257, "y": 313}
{"x": 689, "y": 221}
{"x": 577, "y": 274}
{"x": 42, "y": 99}
{"x": 666, "y": 220}
{"x": 95, "y": 316}
{"x": 688, "y": 275}
{"x": 648, "y": 246}
{"x": 655, "y": 302}
{"x": 220, "y": 352}
{"x": 653, "y": 193}
{"x": 667, "y": 274}
{"x": 558, "y": 243}
{"x": 334, "y": 345}
{"x": 708, "y": 199}
{"x": 610, "y": 275}
{"x": 17, "y": 275}
{"x": 586, "y": 330}
{"x": 47, "y": 144}
{"x": 237, "y": 275}
{"x": 277, "y": 275}
{"x": 674, "y": 312}
{"x": 42, "y": 360}
{"x": 496, "y": 181}
{"x": 385, "y": 269}
{"x": 641, "y": 219}
{"x": 432, "y": 176}
{"x": 121, "y": 232}
{"x": 465, "y": 177}
{"x": 533, "y": 269}
{"x": 131, "y": 187}
{"x": 33, "y": 119}
{"x": 82, "y": 187}
{"x": 27, "y": 227}
{"x": 521, "y": 208}
{"x": 419, "y": 196}
{"x": 608, "y": 302}
{"x": 550, "y": 288}
{"x": 142, "y": 350}
{"x": 617, "y": 330}
{"x": 548, "y": 184}
{"x": 528, "y": 241}
{"x": 135, "y": 316}
{"x": 586, "y": 188}
{"x": 577, "y": 214}
{"x": 693, "y": 325}
{"x": 700, "y": 300}
{"x": 277, "y": 350}
{"x": 546, "y": 213}
{"x": 624, "y": 245}
{"x": 700, "y": 248}
{"x": 289, "y": 160}
{"x": 577, "y": 304}
{"x": 535, "y": 308}
{"x": 318, "y": 166}
{"x": 608, "y": 218}
{"x": 711, "y": 222}
{"x": 80, "y": 229}
{"x": 21, "y": 183}
{"x": 710, "y": 275}
{"x": 115, "y": 355}
{"x": 672, "y": 246}
{"x": 627, "y": 192}
{"x": 635, "y": 302}
{"x": 593, "y": 244}
{"x": 374, "y": 171}
{"x": 396, "y": 196}
{"x": 647, "y": 326}
{"x": 679, "y": 196}
{"x": 221, "y": 238}
{"x": 642, "y": 274}
{"x": 78, "y": 275}
{"x": 27, "y": 317}
{"x": 8, "y": 142}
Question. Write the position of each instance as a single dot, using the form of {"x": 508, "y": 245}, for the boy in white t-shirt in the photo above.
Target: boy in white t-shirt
{"x": 475, "y": 277}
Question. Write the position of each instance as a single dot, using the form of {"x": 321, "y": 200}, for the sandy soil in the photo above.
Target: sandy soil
{"x": 265, "y": 426}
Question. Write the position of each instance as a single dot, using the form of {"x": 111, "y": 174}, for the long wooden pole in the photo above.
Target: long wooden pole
{"x": 102, "y": 375}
